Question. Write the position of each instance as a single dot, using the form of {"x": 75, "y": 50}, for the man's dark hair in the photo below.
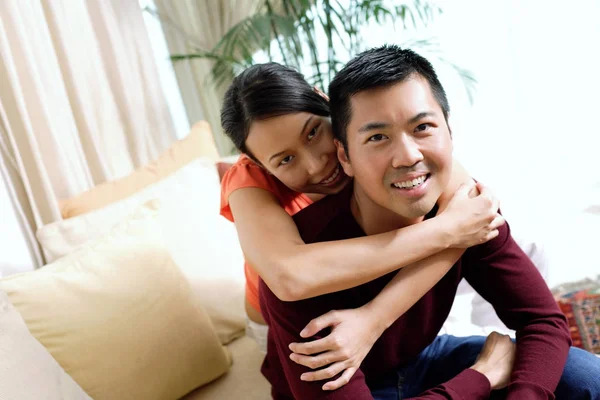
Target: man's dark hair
{"x": 375, "y": 68}
{"x": 264, "y": 91}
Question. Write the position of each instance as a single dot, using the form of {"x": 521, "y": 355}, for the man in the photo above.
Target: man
{"x": 389, "y": 114}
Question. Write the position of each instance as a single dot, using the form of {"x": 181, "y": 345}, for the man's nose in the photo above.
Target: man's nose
{"x": 406, "y": 153}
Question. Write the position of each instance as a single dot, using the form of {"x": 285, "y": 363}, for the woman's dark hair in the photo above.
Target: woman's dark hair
{"x": 264, "y": 91}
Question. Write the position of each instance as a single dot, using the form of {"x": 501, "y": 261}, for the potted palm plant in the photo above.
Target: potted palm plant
{"x": 317, "y": 37}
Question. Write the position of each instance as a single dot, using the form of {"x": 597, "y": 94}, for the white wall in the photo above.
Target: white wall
{"x": 531, "y": 133}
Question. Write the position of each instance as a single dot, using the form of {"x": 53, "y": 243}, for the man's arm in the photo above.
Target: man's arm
{"x": 503, "y": 274}
{"x": 469, "y": 384}
{"x": 286, "y": 320}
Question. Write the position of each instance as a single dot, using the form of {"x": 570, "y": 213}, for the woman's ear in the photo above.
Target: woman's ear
{"x": 320, "y": 93}
{"x": 343, "y": 158}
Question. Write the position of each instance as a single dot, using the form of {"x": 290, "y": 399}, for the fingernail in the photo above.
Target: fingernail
{"x": 303, "y": 333}
{"x": 303, "y": 377}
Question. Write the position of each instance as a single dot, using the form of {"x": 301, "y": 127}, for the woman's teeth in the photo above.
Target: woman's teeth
{"x": 332, "y": 177}
{"x": 411, "y": 184}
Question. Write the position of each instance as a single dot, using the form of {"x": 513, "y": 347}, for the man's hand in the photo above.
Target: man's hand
{"x": 352, "y": 335}
{"x": 471, "y": 215}
{"x": 496, "y": 360}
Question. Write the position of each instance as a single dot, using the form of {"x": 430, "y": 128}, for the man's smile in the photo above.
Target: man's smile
{"x": 413, "y": 186}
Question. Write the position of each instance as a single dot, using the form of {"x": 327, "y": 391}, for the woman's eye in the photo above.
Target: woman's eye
{"x": 286, "y": 160}
{"x": 376, "y": 138}
{"x": 312, "y": 133}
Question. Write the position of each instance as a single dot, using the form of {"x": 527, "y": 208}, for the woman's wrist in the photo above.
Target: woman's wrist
{"x": 445, "y": 232}
{"x": 380, "y": 317}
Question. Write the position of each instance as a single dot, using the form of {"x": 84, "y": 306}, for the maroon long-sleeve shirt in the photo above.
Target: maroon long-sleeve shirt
{"x": 498, "y": 270}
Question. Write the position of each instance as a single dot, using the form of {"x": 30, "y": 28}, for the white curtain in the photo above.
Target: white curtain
{"x": 81, "y": 101}
{"x": 190, "y": 24}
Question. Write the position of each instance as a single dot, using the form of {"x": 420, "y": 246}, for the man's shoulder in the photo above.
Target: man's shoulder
{"x": 501, "y": 242}
{"x": 500, "y": 251}
{"x": 327, "y": 219}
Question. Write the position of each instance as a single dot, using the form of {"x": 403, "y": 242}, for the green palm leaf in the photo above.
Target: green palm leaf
{"x": 288, "y": 31}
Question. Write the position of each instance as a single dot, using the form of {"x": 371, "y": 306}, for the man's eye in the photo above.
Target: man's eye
{"x": 376, "y": 138}
{"x": 286, "y": 160}
{"x": 422, "y": 127}
{"x": 312, "y": 133}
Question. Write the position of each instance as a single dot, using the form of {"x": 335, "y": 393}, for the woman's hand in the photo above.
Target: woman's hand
{"x": 471, "y": 215}
{"x": 353, "y": 333}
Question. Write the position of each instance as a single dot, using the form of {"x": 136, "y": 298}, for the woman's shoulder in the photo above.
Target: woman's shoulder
{"x": 245, "y": 173}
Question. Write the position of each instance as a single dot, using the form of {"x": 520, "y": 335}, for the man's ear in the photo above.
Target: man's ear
{"x": 320, "y": 93}
{"x": 343, "y": 157}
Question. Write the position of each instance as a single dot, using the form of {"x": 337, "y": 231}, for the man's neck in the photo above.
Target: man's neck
{"x": 374, "y": 219}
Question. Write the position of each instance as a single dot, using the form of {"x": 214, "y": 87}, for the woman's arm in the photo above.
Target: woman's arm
{"x": 295, "y": 270}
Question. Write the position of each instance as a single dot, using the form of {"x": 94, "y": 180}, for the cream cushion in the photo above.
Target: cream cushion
{"x": 199, "y": 143}
{"x": 27, "y": 370}
{"x": 120, "y": 318}
{"x": 202, "y": 243}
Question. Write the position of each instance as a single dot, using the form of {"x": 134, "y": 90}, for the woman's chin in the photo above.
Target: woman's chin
{"x": 333, "y": 188}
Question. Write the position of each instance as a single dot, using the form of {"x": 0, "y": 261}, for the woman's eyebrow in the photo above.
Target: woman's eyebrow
{"x": 306, "y": 124}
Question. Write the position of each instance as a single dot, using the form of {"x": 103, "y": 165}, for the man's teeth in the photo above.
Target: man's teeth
{"x": 411, "y": 184}
{"x": 332, "y": 177}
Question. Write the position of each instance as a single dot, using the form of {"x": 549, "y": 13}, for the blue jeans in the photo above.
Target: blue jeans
{"x": 448, "y": 355}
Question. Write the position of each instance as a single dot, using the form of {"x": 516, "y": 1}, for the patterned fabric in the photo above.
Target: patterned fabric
{"x": 580, "y": 302}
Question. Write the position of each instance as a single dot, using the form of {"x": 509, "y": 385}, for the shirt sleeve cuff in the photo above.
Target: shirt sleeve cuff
{"x": 470, "y": 384}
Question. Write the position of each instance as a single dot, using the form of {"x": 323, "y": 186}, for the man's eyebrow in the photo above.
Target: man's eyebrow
{"x": 371, "y": 126}
{"x": 420, "y": 116}
{"x": 301, "y": 133}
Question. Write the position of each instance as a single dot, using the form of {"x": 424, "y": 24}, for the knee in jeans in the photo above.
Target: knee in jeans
{"x": 581, "y": 376}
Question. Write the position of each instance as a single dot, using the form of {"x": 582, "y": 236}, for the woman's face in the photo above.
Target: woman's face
{"x": 298, "y": 150}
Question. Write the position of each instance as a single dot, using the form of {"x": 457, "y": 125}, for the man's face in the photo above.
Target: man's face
{"x": 399, "y": 148}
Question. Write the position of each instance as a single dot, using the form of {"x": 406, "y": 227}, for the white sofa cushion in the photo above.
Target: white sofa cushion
{"x": 27, "y": 370}
{"x": 202, "y": 243}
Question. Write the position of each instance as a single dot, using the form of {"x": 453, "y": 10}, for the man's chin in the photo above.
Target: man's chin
{"x": 417, "y": 210}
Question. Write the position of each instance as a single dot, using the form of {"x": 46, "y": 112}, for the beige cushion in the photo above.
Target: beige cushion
{"x": 203, "y": 244}
{"x": 243, "y": 381}
{"x": 120, "y": 318}
{"x": 199, "y": 143}
{"x": 27, "y": 370}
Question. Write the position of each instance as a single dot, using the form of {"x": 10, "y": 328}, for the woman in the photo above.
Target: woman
{"x": 281, "y": 125}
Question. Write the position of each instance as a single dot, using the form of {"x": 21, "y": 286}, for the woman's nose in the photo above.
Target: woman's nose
{"x": 316, "y": 164}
